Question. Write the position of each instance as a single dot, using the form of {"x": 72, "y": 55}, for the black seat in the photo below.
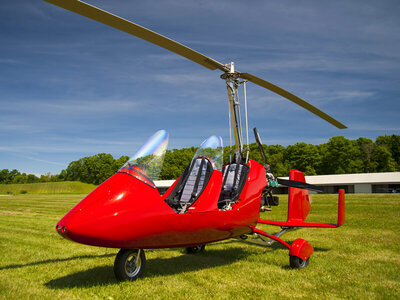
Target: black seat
{"x": 190, "y": 185}
{"x": 234, "y": 178}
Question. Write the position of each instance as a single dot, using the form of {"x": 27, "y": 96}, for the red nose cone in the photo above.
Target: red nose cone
{"x": 112, "y": 214}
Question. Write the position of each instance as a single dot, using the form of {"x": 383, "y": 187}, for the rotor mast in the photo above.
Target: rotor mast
{"x": 231, "y": 78}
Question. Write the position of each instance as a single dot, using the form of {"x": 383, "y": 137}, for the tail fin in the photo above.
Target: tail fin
{"x": 341, "y": 214}
{"x": 299, "y": 207}
{"x": 299, "y": 202}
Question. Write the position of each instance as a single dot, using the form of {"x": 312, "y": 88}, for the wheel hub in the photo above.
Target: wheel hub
{"x": 132, "y": 265}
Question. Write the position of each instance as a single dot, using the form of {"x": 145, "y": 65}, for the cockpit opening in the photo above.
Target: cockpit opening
{"x": 192, "y": 182}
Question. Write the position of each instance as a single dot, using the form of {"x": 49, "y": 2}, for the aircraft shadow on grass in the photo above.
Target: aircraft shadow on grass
{"x": 104, "y": 275}
{"x": 154, "y": 267}
{"x": 55, "y": 260}
{"x": 274, "y": 246}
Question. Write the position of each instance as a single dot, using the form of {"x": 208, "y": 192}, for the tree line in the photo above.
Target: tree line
{"x": 338, "y": 156}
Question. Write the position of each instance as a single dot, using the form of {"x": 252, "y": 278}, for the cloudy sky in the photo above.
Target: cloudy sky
{"x": 71, "y": 87}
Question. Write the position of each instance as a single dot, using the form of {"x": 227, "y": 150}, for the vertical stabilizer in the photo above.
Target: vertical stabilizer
{"x": 299, "y": 204}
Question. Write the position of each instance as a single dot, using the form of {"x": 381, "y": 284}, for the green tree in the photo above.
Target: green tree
{"x": 93, "y": 169}
{"x": 73, "y": 171}
{"x": 341, "y": 156}
{"x": 303, "y": 157}
{"x": 175, "y": 162}
{"x": 392, "y": 143}
{"x": 384, "y": 160}
{"x": 98, "y": 168}
{"x": 120, "y": 162}
{"x": 275, "y": 156}
{"x": 63, "y": 175}
{"x": 20, "y": 178}
{"x": 30, "y": 178}
{"x": 4, "y": 175}
{"x": 367, "y": 149}
{"x": 12, "y": 175}
{"x": 338, "y": 156}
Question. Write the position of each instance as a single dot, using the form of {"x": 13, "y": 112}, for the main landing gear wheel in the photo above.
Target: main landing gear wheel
{"x": 195, "y": 249}
{"x": 129, "y": 264}
{"x": 298, "y": 263}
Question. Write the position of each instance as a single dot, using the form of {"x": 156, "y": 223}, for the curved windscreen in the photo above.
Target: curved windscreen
{"x": 147, "y": 163}
{"x": 212, "y": 147}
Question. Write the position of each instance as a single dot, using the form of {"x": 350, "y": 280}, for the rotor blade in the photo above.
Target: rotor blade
{"x": 293, "y": 98}
{"x": 259, "y": 143}
{"x": 114, "y": 21}
{"x": 300, "y": 185}
{"x": 109, "y": 19}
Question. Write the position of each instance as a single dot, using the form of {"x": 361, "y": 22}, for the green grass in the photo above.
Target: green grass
{"x": 359, "y": 260}
{"x": 64, "y": 187}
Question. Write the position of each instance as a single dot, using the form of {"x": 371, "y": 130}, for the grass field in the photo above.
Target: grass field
{"x": 64, "y": 187}
{"x": 359, "y": 260}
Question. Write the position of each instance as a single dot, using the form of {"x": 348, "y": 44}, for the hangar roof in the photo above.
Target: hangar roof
{"x": 348, "y": 179}
{"x": 337, "y": 179}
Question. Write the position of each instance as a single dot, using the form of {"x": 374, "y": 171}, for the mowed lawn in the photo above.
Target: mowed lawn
{"x": 359, "y": 260}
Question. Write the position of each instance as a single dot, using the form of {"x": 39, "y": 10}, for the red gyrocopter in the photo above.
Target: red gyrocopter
{"x": 209, "y": 202}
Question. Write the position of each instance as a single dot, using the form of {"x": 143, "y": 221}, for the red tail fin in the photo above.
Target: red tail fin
{"x": 299, "y": 202}
{"x": 299, "y": 207}
{"x": 341, "y": 216}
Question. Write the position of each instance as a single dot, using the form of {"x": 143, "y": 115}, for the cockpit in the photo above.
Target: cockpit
{"x": 147, "y": 163}
{"x": 192, "y": 182}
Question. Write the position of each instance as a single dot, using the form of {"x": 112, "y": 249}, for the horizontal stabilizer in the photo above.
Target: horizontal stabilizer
{"x": 300, "y": 223}
{"x": 300, "y": 185}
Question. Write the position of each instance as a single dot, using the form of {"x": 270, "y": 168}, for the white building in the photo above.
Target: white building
{"x": 363, "y": 183}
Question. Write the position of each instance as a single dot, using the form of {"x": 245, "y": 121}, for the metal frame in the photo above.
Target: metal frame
{"x": 233, "y": 83}
{"x": 263, "y": 238}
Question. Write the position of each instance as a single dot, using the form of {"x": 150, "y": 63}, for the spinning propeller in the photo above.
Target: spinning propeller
{"x": 285, "y": 182}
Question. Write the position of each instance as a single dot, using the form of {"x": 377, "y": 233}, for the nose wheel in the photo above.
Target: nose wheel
{"x": 298, "y": 263}
{"x": 195, "y": 249}
{"x": 129, "y": 264}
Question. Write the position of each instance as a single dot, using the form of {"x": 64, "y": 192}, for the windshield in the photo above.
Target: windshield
{"x": 212, "y": 147}
{"x": 146, "y": 164}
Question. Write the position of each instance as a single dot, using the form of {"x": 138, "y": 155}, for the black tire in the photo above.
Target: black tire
{"x": 298, "y": 263}
{"x": 195, "y": 249}
{"x": 127, "y": 267}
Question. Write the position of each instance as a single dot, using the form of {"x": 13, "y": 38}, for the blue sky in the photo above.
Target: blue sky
{"x": 71, "y": 87}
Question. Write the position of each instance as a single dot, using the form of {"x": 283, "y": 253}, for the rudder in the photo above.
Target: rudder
{"x": 299, "y": 204}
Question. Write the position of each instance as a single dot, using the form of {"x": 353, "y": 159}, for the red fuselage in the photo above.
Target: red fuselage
{"x": 124, "y": 212}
